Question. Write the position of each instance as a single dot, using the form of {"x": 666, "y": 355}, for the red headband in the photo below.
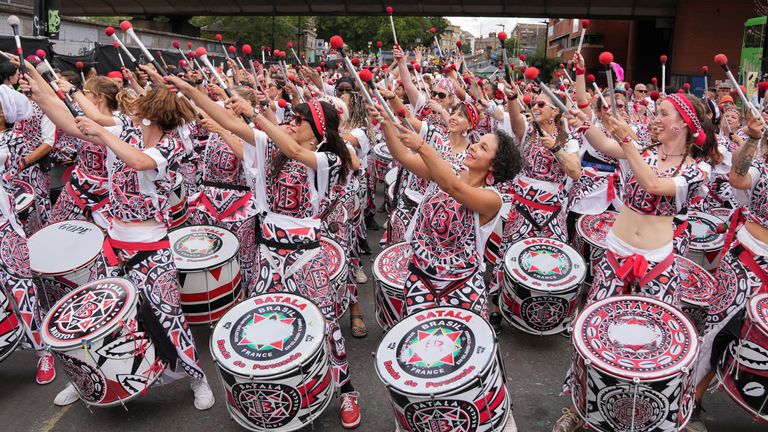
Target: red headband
{"x": 474, "y": 116}
{"x": 686, "y": 110}
{"x": 318, "y": 117}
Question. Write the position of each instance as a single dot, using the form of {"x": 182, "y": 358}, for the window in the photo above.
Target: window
{"x": 575, "y": 25}
{"x": 753, "y": 36}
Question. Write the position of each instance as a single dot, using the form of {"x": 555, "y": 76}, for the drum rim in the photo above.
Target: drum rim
{"x": 320, "y": 346}
{"x": 688, "y": 362}
{"x": 131, "y": 303}
{"x": 752, "y": 313}
{"x": 344, "y": 258}
{"x": 691, "y": 301}
{"x": 573, "y": 286}
{"x": 711, "y": 245}
{"x": 19, "y": 330}
{"x": 377, "y": 153}
{"x": 211, "y": 266}
{"x": 82, "y": 266}
{"x": 375, "y": 266}
{"x": 492, "y": 358}
{"x": 580, "y": 230}
{"x": 735, "y": 397}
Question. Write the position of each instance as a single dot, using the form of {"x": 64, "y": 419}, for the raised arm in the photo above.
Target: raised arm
{"x": 133, "y": 157}
{"x": 740, "y": 178}
{"x": 516, "y": 117}
{"x": 408, "y": 159}
{"x": 405, "y": 76}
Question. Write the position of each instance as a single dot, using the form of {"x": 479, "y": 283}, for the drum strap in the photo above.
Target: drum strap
{"x": 681, "y": 228}
{"x": 737, "y": 218}
{"x": 427, "y": 281}
{"x": 747, "y": 257}
{"x": 523, "y": 205}
{"x": 634, "y": 270}
{"x": 222, "y": 185}
{"x": 612, "y": 186}
{"x": 76, "y": 191}
{"x": 110, "y": 245}
{"x": 290, "y": 246}
{"x": 238, "y": 204}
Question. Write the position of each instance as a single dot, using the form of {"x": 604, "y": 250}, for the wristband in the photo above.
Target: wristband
{"x": 582, "y": 106}
{"x": 556, "y": 148}
{"x": 24, "y": 163}
{"x": 580, "y": 71}
{"x": 513, "y": 97}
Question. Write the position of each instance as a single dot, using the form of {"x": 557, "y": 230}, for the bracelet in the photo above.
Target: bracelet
{"x": 580, "y": 71}
{"x": 513, "y": 97}
{"x": 582, "y": 106}
{"x": 24, "y": 163}
{"x": 556, "y": 148}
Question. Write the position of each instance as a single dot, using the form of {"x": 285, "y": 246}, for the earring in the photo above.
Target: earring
{"x": 551, "y": 121}
{"x": 146, "y": 122}
{"x": 489, "y": 180}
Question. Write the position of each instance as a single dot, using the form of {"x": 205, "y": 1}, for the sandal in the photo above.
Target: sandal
{"x": 358, "y": 331}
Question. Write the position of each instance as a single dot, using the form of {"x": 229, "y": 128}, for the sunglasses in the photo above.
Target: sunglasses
{"x": 439, "y": 95}
{"x": 542, "y": 104}
{"x": 298, "y": 120}
{"x": 342, "y": 90}
{"x": 641, "y": 91}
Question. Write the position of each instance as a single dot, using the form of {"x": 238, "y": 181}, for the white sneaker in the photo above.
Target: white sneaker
{"x": 68, "y": 396}
{"x": 203, "y": 395}
{"x": 511, "y": 426}
{"x": 360, "y": 276}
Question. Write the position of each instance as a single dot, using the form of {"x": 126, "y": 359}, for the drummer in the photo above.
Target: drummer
{"x": 743, "y": 270}
{"x": 292, "y": 183}
{"x": 659, "y": 180}
{"x": 15, "y": 275}
{"x": 139, "y": 189}
{"x": 453, "y": 222}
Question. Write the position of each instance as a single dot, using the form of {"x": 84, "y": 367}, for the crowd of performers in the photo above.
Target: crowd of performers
{"x": 273, "y": 159}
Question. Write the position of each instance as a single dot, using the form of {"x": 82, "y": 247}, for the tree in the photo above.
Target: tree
{"x": 546, "y": 65}
{"x": 255, "y": 30}
{"x": 357, "y": 31}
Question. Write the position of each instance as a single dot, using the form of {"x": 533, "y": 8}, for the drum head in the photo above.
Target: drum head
{"x": 544, "y": 265}
{"x": 697, "y": 286}
{"x": 381, "y": 151}
{"x": 201, "y": 247}
{"x": 435, "y": 351}
{"x": 704, "y": 235}
{"x": 594, "y": 228}
{"x": 391, "y": 176}
{"x": 89, "y": 312}
{"x": 336, "y": 257}
{"x": 636, "y": 337}
{"x": 391, "y": 265}
{"x": 64, "y": 247}
{"x": 24, "y": 196}
{"x": 757, "y": 310}
{"x": 268, "y": 335}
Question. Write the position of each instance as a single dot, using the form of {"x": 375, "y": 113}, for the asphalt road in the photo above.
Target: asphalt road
{"x": 535, "y": 368}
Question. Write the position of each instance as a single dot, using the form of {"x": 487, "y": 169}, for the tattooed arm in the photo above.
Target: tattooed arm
{"x": 740, "y": 178}
{"x": 569, "y": 162}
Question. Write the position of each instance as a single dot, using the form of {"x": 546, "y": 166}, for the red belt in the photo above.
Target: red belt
{"x": 737, "y": 219}
{"x": 634, "y": 272}
{"x": 747, "y": 257}
{"x": 81, "y": 204}
{"x": 111, "y": 244}
{"x": 536, "y": 205}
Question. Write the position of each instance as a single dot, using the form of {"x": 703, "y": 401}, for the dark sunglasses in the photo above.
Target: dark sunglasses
{"x": 298, "y": 120}
{"x": 641, "y": 91}
{"x": 542, "y": 104}
{"x": 439, "y": 95}
{"x": 342, "y": 90}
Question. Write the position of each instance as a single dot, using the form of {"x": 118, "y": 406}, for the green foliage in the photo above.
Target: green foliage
{"x": 357, "y": 31}
{"x": 255, "y": 30}
{"x": 547, "y": 65}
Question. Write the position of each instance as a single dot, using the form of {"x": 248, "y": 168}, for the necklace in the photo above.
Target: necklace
{"x": 665, "y": 155}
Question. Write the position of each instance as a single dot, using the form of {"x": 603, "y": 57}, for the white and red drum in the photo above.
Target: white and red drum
{"x": 390, "y": 269}
{"x": 272, "y": 355}
{"x": 494, "y": 240}
{"x": 209, "y": 271}
{"x": 178, "y": 201}
{"x": 695, "y": 291}
{"x": 542, "y": 280}
{"x": 338, "y": 272}
{"x": 390, "y": 181}
{"x": 97, "y": 341}
{"x": 707, "y": 239}
{"x": 11, "y": 331}
{"x": 381, "y": 160}
{"x": 592, "y": 230}
{"x": 25, "y": 209}
{"x": 743, "y": 368}
{"x": 442, "y": 370}
{"x": 632, "y": 365}
{"x": 64, "y": 256}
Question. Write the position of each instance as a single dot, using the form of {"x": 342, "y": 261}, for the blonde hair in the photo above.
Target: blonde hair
{"x": 116, "y": 98}
{"x": 164, "y": 108}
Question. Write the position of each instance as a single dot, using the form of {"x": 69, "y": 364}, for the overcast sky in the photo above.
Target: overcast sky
{"x": 483, "y": 25}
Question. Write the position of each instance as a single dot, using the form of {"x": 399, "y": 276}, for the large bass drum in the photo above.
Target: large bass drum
{"x": 442, "y": 371}
{"x": 632, "y": 365}
{"x": 272, "y": 356}
{"x": 390, "y": 269}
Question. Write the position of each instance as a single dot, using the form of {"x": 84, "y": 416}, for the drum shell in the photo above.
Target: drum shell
{"x": 10, "y": 326}
{"x": 517, "y": 300}
{"x": 108, "y": 373}
{"x": 339, "y": 279}
{"x": 597, "y": 394}
{"x": 381, "y": 161}
{"x": 487, "y": 390}
{"x": 27, "y": 212}
{"x": 202, "y": 289}
{"x": 695, "y": 292}
{"x": 705, "y": 253}
{"x": 599, "y": 225}
{"x": 179, "y": 207}
{"x": 743, "y": 367}
{"x": 389, "y": 301}
{"x": 388, "y": 291}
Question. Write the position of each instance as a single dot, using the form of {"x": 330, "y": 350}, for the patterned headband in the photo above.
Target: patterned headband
{"x": 474, "y": 116}
{"x": 318, "y": 117}
{"x": 685, "y": 108}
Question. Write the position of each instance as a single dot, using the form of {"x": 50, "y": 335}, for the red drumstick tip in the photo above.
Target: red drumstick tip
{"x": 189, "y": 45}
{"x": 762, "y": 85}
{"x": 319, "y": 69}
{"x": 291, "y": 77}
{"x": 40, "y": 53}
{"x": 175, "y": 44}
{"x": 502, "y": 36}
{"x": 116, "y": 45}
{"x": 401, "y": 112}
{"x": 522, "y": 57}
{"x": 379, "y": 44}
{"x": 527, "y": 99}
{"x": 246, "y": 49}
{"x": 355, "y": 62}
{"x": 687, "y": 86}
{"x": 433, "y": 30}
{"x": 282, "y": 103}
{"x": 606, "y": 58}
{"x": 126, "y": 25}
{"x": 79, "y": 64}
{"x": 590, "y": 78}
{"x": 218, "y": 37}
{"x": 201, "y": 52}
{"x": 585, "y": 23}
{"x": 365, "y": 75}
{"x": 109, "y": 31}
{"x": 390, "y": 11}
{"x": 531, "y": 73}
{"x": 721, "y": 60}
{"x": 336, "y": 42}
{"x": 654, "y": 81}
{"x": 458, "y": 44}
{"x": 663, "y": 58}
{"x": 705, "y": 69}
{"x": 654, "y": 95}
{"x": 232, "y": 49}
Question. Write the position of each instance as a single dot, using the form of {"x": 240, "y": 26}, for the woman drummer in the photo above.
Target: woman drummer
{"x": 743, "y": 270}
{"x": 86, "y": 190}
{"x": 659, "y": 181}
{"x": 139, "y": 166}
{"x": 15, "y": 275}
{"x": 225, "y": 199}
{"x": 293, "y": 169}
{"x": 455, "y": 218}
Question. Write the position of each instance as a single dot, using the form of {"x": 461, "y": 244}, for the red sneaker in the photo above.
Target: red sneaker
{"x": 350, "y": 411}
{"x": 45, "y": 370}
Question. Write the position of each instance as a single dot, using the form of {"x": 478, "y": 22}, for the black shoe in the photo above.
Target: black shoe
{"x": 363, "y": 245}
{"x": 495, "y": 320}
{"x": 371, "y": 224}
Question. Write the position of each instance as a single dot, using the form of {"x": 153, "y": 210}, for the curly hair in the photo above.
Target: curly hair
{"x": 163, "y": 108}
{"x": 507, "y": 162}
